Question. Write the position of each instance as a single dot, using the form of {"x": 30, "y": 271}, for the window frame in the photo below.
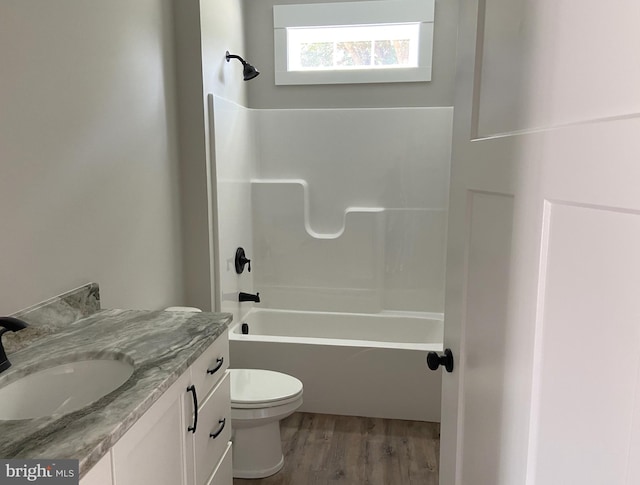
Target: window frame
{"x": 375, "y": 12}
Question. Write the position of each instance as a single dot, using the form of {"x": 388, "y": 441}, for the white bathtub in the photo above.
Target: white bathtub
{"x": 351, "y": 364}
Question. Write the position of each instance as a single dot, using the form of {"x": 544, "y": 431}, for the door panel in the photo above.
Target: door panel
{"x": 536, "y": 397}
{"x": 589, "y": 350}
{"x": 544, "y": 64}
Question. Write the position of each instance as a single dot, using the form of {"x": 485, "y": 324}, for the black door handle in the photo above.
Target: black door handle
{"x": 434, "y": 360}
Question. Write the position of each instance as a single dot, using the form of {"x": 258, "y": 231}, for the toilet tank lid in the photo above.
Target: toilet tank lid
{"x": 253, "y": 386}
{"x": 182, "y": 309}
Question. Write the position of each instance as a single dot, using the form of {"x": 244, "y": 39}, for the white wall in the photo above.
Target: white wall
{"x": 88, "y": 158}
{"x": 223, "y": 30}
{"x": 263, "y": 93}
{"x": 350, "y": 208}
{"x": 205, "y": 29}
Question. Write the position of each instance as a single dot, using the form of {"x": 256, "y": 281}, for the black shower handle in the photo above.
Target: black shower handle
{"x": 241, "y": 260}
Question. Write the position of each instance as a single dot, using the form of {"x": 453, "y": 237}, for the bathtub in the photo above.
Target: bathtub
{"x": 350, "y": 363}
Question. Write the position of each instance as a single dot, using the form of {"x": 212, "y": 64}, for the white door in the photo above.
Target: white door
{"x": 543, "y": 277}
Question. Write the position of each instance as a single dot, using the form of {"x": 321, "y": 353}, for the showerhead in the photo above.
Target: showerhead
{"x": 248, "y": 71}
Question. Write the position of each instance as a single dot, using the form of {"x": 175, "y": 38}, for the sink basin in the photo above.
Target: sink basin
{"x": 62, "y": 389}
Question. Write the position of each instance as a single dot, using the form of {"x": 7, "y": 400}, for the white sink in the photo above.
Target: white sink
{"x": 62, "y": 389}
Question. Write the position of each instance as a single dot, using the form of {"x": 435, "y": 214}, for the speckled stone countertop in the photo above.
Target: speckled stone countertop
{"x": 160, "y": 345}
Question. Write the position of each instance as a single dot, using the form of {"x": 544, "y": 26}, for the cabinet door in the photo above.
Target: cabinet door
{"x": 100, "y": 474}
{"x": 154, "y": 450}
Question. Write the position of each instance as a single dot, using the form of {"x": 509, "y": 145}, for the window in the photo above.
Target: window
{"x": 353, "y": 47}
{"x": 355, "y": 42}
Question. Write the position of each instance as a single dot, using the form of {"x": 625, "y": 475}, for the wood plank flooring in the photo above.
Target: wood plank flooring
{"x": 322, "y": 449}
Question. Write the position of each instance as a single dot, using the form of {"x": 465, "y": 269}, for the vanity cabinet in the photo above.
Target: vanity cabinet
{"x": 162, "y": 447}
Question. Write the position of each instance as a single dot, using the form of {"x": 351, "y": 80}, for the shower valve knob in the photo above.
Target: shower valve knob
{"x": 434, "y": 360}
{"x": 241, "y": 261}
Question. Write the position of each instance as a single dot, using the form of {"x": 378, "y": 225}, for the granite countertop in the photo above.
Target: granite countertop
{"x": 161, "y": 346}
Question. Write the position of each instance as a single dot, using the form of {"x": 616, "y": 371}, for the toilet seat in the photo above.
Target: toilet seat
{"x": 259, "y": 388}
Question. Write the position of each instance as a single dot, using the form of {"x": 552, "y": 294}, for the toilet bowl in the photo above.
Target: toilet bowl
{"x": 260, "y": 399}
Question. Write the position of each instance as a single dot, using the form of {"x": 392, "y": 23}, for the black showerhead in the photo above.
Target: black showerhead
{"x": 248, "y": 71}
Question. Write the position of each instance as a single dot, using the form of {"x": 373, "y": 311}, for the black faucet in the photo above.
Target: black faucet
{"x": 249, "y": 297}
{"x": 8, "y": 324}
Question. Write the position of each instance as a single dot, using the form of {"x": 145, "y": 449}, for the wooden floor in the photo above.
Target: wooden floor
{"x": 324, "y": 449}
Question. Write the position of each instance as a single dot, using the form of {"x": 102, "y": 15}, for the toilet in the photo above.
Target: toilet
{"x": 260, "y": 399}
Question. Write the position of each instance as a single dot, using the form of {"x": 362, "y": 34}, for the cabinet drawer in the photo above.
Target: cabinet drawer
{"x": 215, "y": 418}
{"x": 224, "y": 473}
{"x": 210, "y": 367}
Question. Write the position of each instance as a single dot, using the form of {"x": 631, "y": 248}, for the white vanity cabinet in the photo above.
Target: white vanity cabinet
{"x": 161, "y": 447}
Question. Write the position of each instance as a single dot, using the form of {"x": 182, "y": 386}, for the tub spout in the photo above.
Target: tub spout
{"x": 249, "y": 297}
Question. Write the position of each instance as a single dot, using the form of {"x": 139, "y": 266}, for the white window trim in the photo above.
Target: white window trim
{"x": 354, "y": 13}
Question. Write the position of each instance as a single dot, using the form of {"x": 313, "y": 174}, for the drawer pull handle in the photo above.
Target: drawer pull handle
{"x": 219, "y": 361}
{"x": 222, "y": 422}
{"x": 192, "y": 389}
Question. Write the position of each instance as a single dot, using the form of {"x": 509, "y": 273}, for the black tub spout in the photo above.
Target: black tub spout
{"x": 249, "y": 297}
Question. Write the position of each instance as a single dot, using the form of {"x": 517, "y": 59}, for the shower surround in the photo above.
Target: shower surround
{"x": 349, "y": 208}
{"x": 342, "y": 211}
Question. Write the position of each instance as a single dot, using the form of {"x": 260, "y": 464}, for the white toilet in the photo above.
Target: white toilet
{"x": 260, "y": 399}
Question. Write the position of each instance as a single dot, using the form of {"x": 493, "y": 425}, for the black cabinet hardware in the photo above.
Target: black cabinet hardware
{"x": 192, "y": 389}
{"x": 219, "y": 362}
{"x": 215, "y": 434}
